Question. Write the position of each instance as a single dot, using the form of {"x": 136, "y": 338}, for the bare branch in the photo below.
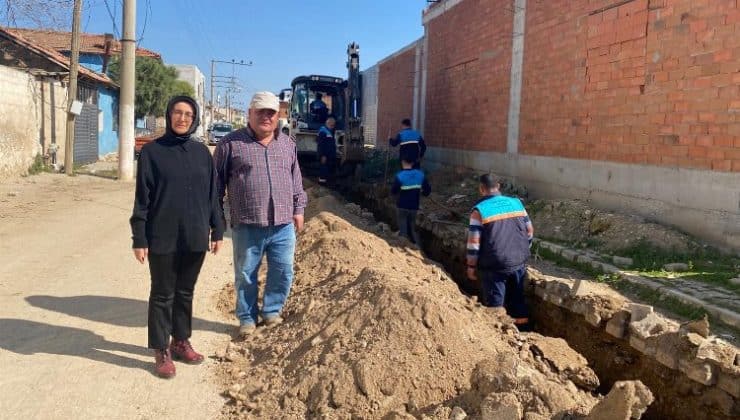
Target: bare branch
{"x": 42, "y": 14}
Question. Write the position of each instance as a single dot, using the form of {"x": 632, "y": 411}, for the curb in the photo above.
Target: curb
{"x": 727, "y": 316}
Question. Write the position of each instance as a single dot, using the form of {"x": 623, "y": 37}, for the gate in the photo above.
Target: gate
{"x": 86, "y": 135}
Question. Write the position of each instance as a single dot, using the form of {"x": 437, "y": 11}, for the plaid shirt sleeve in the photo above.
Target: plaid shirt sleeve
{"x": 299, "y": 195}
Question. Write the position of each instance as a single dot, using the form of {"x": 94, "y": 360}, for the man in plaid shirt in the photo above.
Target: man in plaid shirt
{"x": 259, "y": 168}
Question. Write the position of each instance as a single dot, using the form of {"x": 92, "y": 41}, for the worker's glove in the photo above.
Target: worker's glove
{"x": 530, "y": 242}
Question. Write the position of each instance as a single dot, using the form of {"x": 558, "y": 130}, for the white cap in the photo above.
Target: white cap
{"x": 265, "y": 100}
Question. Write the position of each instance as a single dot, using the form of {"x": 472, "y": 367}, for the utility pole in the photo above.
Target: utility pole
{"x": 126, "y": 100}
{"x": 74, "y": 63}
{"x": 233, "y": 63}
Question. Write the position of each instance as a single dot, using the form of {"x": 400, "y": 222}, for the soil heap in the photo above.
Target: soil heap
{"x": 374, "y": 330}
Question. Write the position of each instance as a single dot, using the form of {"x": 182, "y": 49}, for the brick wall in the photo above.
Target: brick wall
{"x": 648, "y": 82}
{"x": 396, "y": 77}
{"x": 19, "y": 122}
{"x": 468, "y": 75}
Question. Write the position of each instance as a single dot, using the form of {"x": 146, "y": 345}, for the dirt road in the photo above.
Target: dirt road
{"x": 73, "y": 309}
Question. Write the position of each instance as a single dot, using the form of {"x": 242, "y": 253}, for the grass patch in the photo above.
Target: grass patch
{"x": 637, "y": 292}
{"x": 706, "y": 264}
{"x": 38, "y": 166}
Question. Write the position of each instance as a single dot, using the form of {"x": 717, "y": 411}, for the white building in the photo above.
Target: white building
{"x": 192, "y": 75}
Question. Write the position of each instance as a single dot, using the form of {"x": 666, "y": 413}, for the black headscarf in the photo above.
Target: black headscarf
{"x": 196, "y": 116}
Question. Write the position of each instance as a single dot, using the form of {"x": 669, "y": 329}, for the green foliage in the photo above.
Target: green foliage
{"x": 38, "y": 166}
{"x": 706, "y": 264}
{"x": 156, "y": 83}
{"x": 182, "y": 88}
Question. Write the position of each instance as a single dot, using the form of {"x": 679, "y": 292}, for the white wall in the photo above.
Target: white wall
{"x": 19, "y": 122}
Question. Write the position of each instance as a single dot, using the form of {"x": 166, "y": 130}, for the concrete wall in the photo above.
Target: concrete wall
{"x": 192, "y": 74}
{"x": 703, "y": 203}
{"x": 19, "y": 122}
{"x": 370, "y": 104}
{"x": 108, "y": 122}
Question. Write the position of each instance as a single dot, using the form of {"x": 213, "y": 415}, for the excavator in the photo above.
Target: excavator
{"x": 341, "y": 100}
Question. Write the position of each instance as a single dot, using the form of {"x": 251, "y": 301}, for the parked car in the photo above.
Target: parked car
{"x": 217, "y": 131}
{"x": 143, "y": 137}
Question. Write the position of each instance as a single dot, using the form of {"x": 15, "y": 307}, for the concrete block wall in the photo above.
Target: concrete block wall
{"x": 19, "y": 122}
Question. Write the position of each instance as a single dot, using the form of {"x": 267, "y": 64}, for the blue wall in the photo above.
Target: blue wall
{"x": 108, "y": 105}
{"x": 92, "y": 62}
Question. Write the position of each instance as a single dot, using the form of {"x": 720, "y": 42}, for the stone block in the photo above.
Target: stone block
{"x": 623, "y": 262}
{"x": 617, "y": 326}
{"x": 718, "y": 352}
{"x": 729, "y": 381}
{"x": 458, "y": 414}
{"x": 668, "y": 357}
{"x": 638, "y": 312}
{"x": 677, "y": 267}
{"x": 698, "y": 371}
{"x": 569, "y": 254}
{"x": 584, "y": 259}
{"x": 504, "y": 406}
{"x": 609, "y": 269}
{"x": 638, "y": 344}
{"x": 593, "y": 318}
{"x": 556, "y": 249}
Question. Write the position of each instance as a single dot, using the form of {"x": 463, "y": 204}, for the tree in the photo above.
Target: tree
{"x": 156, "y": 83}
{"x": 47, "y": 14}
{"x": 181, "y": 87}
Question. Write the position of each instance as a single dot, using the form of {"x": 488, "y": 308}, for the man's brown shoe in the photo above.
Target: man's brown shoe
{"x": 163, "y": 365}
{"x": 183, "y": 350}
{"x": 273, "y": 320}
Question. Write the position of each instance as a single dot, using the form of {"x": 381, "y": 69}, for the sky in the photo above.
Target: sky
{"x": 282, "y": 38}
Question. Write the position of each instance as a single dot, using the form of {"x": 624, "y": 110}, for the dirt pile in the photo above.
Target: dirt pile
{"x": 374, "y": 330}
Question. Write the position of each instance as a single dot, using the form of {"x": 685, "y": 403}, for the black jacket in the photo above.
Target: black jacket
{"x": 176, "y": 203}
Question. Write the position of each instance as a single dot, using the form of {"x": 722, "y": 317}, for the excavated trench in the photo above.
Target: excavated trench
{"x": 678, "y": 393}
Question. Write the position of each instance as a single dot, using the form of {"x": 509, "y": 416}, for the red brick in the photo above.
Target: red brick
{"x": 723, "y": 55}
{"x": 707, "y": 117}
{"x": 722, "y": 165}
{"x": 724, "y": 140}
{"x": 697, "y": 152}
{"x": 704, "y": 141}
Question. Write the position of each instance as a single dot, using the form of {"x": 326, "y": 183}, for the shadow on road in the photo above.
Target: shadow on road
{"x": 123, "y": 312}
{"x": 30, "y": 337}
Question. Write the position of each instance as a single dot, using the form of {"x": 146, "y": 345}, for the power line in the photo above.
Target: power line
{"x": 113, "y": 19}
{"x": 147, "y": 12}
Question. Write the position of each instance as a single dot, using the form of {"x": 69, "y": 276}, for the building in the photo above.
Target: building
{"x": 632, "y": 105}
{"x": 96, "y": 52}
{"x": 33, "y": 105}
{"x": 194, "y": 77}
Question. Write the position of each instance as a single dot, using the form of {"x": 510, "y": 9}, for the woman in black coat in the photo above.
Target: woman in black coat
{"x": 175, "y": 210}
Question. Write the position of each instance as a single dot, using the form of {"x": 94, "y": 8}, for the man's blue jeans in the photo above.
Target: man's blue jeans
{"x": 250, "y": 244}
